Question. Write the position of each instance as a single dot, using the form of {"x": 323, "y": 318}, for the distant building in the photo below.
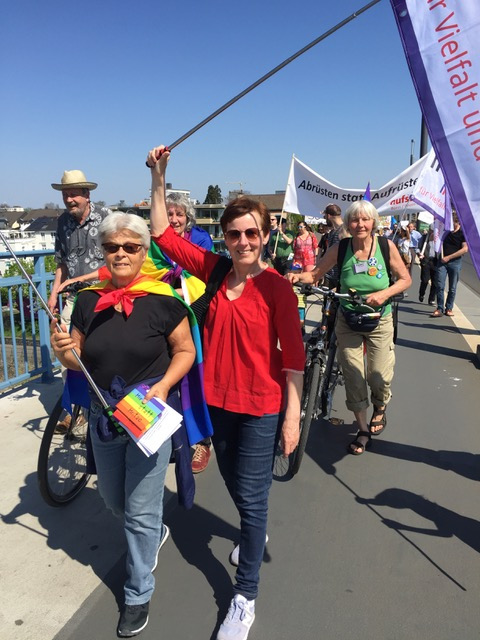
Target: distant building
{"x": 31, "y": 231}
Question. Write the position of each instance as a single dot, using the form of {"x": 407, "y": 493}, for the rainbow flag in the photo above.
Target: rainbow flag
{"x": 194, "y": 408}
{"x": 159, "y": 267}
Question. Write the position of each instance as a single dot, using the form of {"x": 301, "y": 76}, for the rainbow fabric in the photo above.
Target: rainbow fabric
{"x": 194, "y": 408}
{"x": 159, "y": 267}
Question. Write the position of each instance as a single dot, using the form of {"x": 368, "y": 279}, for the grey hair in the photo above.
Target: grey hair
{"x": 361, "y": 207}
{"x": 182, "y": 201}
{"x": 119, "y": 221}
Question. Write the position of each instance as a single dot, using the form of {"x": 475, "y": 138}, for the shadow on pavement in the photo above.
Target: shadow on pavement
{"x": 440, "y": 349}
{"x": 327, "y": 443}
{"x": 461, "y": 462}
{"x": 83, "y": 529}
{"x": 192, "y": 532}
{"x": 447, "y": 523}
{"x": 46, "y": 394}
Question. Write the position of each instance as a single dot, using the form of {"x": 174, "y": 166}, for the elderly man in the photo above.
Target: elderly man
{"x": 76, "y": 248}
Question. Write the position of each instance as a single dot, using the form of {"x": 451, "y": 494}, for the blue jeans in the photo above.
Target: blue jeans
{"x": 245, "y": 449}
{"x": 452, "y": 269}
{"x": 131, "y": 486}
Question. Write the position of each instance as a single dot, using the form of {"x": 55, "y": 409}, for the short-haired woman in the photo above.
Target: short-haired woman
{"x": 252, "y": 387}
{"x": 364, "y": 270}
{"x": 125, "y": 336}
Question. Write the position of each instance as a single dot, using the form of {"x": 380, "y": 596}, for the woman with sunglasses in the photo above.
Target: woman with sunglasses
{"x": 127, "y": 331}
{"x": 305, "y": 248}
{"x": 252, "y": 387}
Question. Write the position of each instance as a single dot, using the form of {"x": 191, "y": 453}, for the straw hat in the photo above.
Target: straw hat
{"x": 74, "y": 179}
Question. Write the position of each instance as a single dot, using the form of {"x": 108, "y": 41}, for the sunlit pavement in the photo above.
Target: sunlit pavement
{"x": 384, "y": 546}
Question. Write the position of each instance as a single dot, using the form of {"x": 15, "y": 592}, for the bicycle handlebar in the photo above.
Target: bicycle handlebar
{"x": 352, "y": 296}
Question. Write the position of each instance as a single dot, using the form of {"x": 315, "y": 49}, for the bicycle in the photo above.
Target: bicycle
{"x": 322, "y": 371}
{"x": 62, "y": 459}
{"x": 320, "y": 346}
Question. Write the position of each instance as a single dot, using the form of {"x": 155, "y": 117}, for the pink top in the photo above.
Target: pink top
{"x": 244, "y": 365}
{"x": 304, "y": 250}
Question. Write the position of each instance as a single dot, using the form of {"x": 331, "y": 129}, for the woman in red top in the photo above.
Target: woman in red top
{"x": 252, "y": 387}
{"x": 305, "y": 248}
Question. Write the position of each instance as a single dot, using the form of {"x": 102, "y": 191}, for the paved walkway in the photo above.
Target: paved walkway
{"x": 384, "y": 546}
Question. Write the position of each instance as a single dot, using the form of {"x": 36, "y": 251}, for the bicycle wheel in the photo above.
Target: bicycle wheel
{"x": 330, "y": 379}
{"x": 62, "y": 459}
{"x": 308, "y": 410}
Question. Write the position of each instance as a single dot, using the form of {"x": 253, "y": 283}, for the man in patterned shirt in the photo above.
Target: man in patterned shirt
{"x": 76, "y": 248}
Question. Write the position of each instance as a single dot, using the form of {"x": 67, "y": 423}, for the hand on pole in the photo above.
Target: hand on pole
{"x": 157, "y": 158}
{"x": 60, "y": 338}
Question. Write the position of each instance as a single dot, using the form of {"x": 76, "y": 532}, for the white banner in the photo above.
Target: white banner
{"x": 431, "y": 193}
{"x": 430, "y": 190}
{"x": 308, "y": 193}
{"x": 441, "y": 40}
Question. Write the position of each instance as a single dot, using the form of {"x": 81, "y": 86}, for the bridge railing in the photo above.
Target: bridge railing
{"x": 24, "y": 324}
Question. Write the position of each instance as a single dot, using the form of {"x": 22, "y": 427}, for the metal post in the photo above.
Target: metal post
{"x": 423, "y": 139}
{"x": 43, "y": 328}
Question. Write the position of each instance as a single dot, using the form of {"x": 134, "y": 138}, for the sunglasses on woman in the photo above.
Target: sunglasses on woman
{"x": 234, "y": 235}
{"x": 128, "y": 247}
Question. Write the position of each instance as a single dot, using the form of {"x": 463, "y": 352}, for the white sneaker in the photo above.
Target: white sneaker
{"x": 233, "y": 557}
{"x": 239, "y": 619}
{"x": 165, "y": 537}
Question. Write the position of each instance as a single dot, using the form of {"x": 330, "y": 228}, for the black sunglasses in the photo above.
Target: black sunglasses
{"x": 128, "y": 247}
{"x": 234, "y": 235}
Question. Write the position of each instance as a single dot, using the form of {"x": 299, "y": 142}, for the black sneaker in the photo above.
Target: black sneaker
{"x": 134, "y": 619}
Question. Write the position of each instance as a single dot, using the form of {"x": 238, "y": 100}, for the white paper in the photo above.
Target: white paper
{"x": 169, "y": 421}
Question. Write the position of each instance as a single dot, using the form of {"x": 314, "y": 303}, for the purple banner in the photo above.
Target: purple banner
{"x": 441, "y": 40}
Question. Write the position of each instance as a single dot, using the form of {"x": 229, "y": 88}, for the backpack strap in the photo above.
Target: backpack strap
{"x": 384, "y": 249}
{"x": 201, "y": 304}
{"x": 342, "y": 250}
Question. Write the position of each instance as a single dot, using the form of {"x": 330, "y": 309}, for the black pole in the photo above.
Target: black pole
{"x": 271, "y": 73}
{"x": 423, "y": 139}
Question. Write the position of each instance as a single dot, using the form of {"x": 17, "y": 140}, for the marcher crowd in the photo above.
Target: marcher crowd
{"x": 140, "y": 286}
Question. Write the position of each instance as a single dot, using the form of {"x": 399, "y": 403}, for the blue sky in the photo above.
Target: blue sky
{"x": 94, "y": 85}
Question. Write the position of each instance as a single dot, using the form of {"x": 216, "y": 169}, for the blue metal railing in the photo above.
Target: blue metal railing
{"x": 24, "y": 324}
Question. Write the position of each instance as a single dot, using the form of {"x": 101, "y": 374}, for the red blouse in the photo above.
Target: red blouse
{"x": 244, "y": 364}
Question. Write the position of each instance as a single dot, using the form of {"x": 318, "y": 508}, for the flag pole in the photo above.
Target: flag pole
{"x": 283, "y": 211}
{"x": 268, "y": 75}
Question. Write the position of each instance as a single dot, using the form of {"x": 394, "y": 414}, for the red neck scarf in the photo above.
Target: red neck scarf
{"x": 110, "y": 295}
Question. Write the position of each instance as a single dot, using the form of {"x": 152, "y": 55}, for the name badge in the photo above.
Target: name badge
{"x": 360, "y": 267}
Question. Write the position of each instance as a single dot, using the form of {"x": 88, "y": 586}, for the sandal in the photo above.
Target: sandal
{"x": 449, "y": 312}
{"x": 436, "y": 314}
{"x": 358, "y": 445}
{"x": 382, "y": 422}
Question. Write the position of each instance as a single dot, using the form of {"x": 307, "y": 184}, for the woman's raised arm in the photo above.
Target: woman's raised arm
{"x": 157, "y": 160}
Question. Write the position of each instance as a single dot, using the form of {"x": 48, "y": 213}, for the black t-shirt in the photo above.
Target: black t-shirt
{"x": 453, "y": 242}
{"x": 134, "y": 348}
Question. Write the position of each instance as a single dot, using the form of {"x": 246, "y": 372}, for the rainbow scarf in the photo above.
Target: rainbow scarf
{"x": 194, "y": 408}
{"x": 159, "y": 267}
